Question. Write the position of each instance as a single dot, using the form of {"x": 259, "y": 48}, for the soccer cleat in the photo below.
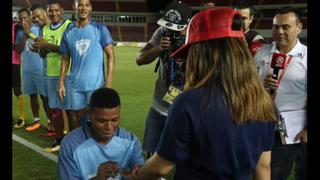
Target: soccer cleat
{"x": 19, "y": 124}
{"x": 55, "y": 149}
{"x": 56, "y": 145}
{"x": 49, "y": 133}
{"x": 56, "y": 142}
{"x": 33, "y": 126}
{"x": 47, "y": 150}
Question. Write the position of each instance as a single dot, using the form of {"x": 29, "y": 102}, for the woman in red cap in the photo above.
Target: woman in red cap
{"x": 221, "y": 126}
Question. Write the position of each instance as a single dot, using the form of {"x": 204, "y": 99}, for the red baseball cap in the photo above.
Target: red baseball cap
{"x": 209, "y": 24}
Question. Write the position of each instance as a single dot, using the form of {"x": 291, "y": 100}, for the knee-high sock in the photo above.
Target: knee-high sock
{"x": 21, "y": 107}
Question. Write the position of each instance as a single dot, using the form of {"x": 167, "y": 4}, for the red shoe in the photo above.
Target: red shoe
{"x": 49, "y": 133}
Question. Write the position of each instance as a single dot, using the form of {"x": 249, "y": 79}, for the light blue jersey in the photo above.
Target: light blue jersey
{"x": 80, "y": 155}
{"x": 85, "y": 47}
{"x": 31, "y": 61}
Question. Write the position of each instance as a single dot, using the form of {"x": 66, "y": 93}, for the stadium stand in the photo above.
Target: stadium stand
{"x": 129, "y": 33}
{"x": 129, "y": 20}
{"x": 132, "y": 7}
{"x": 103, "y": 6}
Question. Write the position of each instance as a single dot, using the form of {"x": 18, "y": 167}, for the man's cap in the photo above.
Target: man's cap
{"x": 209, "y": 24}
{"x": 176, "y": 16}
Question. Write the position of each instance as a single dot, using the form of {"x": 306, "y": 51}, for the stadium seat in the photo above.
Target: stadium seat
{"x": 265, "y": 24}
{"x": 130, "y": 33}
{"x": 105, "y": 6}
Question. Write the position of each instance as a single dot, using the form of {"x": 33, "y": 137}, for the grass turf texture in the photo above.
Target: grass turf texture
{"x": 135, "y": 86}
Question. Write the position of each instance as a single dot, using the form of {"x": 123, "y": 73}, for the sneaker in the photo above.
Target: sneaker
{"x": 55, "y": 149}
{"x": 49, "y": 133}
{"x": 19, "y": 124}
{"x": 56, "y": 144}
{"x": 33, "y": 126}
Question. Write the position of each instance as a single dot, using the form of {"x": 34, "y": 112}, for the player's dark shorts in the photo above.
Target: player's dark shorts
{"x": 16, "y": 76}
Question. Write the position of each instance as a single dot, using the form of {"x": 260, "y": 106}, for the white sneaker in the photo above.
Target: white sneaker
{"x": 50, "y": 150}
{"x": 55, "y": 149}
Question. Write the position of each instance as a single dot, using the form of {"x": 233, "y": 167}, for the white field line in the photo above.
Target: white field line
{"x": 35, "y": 147}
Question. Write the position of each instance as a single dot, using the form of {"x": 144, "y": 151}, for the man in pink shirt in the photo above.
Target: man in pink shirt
{"x": 16, "y": 75}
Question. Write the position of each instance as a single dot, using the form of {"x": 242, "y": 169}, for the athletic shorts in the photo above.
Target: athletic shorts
{"x": 80, "y": 99}
{"x": 32, "y": 83}
{"x": 153, "y": 128}
{"x": 54, "y": 101}
{"x": 16, "y": 76}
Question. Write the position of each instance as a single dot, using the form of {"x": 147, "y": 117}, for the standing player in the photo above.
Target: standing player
{"x": 16, "y": 75}
{"x": 32, "y": 66}
{"x": 83, "y": 44}
{"x": 48, "y": 45}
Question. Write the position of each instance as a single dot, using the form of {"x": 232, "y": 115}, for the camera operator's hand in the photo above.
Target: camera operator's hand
{"x": 165, "y": 42}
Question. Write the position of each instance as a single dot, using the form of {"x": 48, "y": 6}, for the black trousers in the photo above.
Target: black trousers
{"x": 283, "y": 157}
{"x": 16, "y": 76}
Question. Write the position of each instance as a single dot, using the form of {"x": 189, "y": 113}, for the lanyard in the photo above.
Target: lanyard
{"x": 281, "y": 76}
{"x": 284, "y": 69}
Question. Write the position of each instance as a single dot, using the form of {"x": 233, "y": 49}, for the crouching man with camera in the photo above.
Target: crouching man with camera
{"x": 165, "y": 40}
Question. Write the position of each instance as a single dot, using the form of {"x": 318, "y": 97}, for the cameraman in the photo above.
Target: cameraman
{"x": 165, "y": 40}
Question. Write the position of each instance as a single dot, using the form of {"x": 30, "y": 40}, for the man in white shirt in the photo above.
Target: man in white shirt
{"x": 289, "y": 90}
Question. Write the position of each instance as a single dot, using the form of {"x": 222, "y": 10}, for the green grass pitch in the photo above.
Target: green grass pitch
{"x": 135, "y": 85}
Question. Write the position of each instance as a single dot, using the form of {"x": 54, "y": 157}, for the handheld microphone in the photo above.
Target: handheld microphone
{"x": 278, "y": 62}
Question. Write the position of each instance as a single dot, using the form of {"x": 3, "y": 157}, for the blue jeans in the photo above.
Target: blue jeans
{"x": 153, "y": 129}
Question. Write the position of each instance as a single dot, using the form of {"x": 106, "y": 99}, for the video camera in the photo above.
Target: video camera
{"x": 174, "y": 69}
{"x": 177, "y": 40}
